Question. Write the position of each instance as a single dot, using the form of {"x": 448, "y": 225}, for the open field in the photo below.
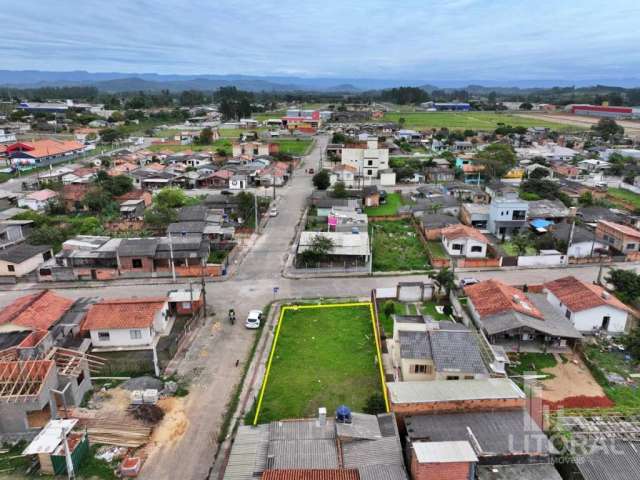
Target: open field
{"x": 223, "y": 143}
{"x": 261, "y": 117}
{"x": 624, "y": 197}
{"x": 470, "y": 120}
{"x": 293, "y": 146}
{"x": 631, "y": 127}
{"x": 396, "y": 246}
{"x": 323, "y": 356}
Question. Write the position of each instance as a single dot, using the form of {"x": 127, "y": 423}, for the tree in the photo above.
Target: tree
{"x": 97, "y": 200}
{"x": 389, "y": 308}
{"x": 171, "y": 197}
{"x": 526, "y": 106}
{"x": 320, "y": 247}
{"x": 339, "y": 190}
{"x": 539, "y": 173}
{"x": 607, "y": 128}
{"x": 375, "y": 404}
{"x": 445, "y": 278}
{"x": 521, "y": 242}
{"x": 110, "y": 135}
{"x": 497, "y": 159}
{"x": 321, "y": 180}
{"x": 632, "y": 342}
{"x": 585, "y": 199}
{"x": 159, "y": 216}
{"x": 206, "y": 136}
{"x": 626, "y": 284}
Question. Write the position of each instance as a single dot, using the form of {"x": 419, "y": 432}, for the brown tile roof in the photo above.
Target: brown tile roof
{"x": 624, "y": 229}
{"x": 42, "y": 195}
{"x": 131, "y": 195}
{"x": 578, "y": 296}
{"x": 300, "y": 474}
{"x": 75, "y": 192}
{"x": 82, "y": 171}
{"x": 463, "y": 231}
{"x": 38, "y": 311}
{"x": 47, "y": 147}
{"x": 491, "y": 297}
{"x": 126, "y": 313}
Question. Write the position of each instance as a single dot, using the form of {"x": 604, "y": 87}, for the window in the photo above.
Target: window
{"x": 631, "y": 246}
{"x": 469, "y": 377}
{"x": 456, "y": 246}
{"x": 45, "y": 272}
{"x": 420, "y": 369}
{"x": 476, "y": 248}
{"x": 370, "y": 162}
{"x": 453, "y": 377}
{"x": 568, "y": 314}
{"x": 369, "y": 172}
{"x": 605, "y": 323}
{"x": 519, "y": 214}
{"x": 255, "y": 151}
{"x": 136, "y": 263}
{"x": 104, "y": 336}
{"x": 46, "y": 256}
{"x": 135, "y": 334}
{"x": 11, "y": 268}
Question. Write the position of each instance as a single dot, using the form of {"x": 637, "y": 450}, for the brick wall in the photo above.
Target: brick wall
{"x": 439, "y": 471}
{"x": 479, "y": 262}
{"x": 126, "y": 264}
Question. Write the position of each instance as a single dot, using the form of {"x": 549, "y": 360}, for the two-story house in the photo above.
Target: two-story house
{"x": 368, "y": 159}
{"x": 620, "y": 237}
{"x": 507, "y": 216}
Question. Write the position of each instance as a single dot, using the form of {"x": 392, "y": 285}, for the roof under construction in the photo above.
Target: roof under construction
{"x": 22, "y": 379}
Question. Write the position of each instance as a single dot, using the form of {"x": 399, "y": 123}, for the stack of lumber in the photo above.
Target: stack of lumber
{"x": 122, "y": 433}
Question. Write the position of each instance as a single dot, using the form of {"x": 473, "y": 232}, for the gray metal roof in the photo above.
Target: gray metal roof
{"x": 138, "y": 247}
{"x": 547, "y": 209}
{"x": 248, "y": 454}
{"x": 382, "y": 472}
{"x": 362, "y": 426}
{"x": 455, "y": 351}
{"x": 554, "y": 324}
{"x": 497, "y": 432}
{"x": 525, "y": 471}
{"x": 192, "y": 213}
{"x": 447, "y": 390}
{"x": 178, "y": 228}
{"x": 435, "y": 220}
{"x": 414, "y": 345}
{"x": 614, "y": 460}
{"x": 21, "y": 252}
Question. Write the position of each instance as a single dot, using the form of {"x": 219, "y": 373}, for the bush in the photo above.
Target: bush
{"x": 375, "y": 404}
{"x": 389, "y": 308}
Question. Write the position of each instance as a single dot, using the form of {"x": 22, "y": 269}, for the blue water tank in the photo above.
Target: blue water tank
{"x": 343, "y": 414}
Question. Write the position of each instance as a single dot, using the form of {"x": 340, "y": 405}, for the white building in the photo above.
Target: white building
{"x": 464, "y": 241}
{"x": 6, "y": 137}
{"x": 368, "y": 160}
{"x": 589, "y": 307}
{"x": 127, "y": 324}
{"x": 37, "y": 201}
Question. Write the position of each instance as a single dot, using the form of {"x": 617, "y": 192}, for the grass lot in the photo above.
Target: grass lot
{"x": 236, "y": 132}
{"x": 626, "y": 197}
{"x": 430, "y": 309}
{"x": 532, "y": 362}
{"x": 324, "y": 357}
{"x": 511, "y": 250}
{"x": 396, "y": 246}
{"x": 261, "y": 117}
{"x": 436, "y": 250}
{"x": 223, "y": 143}
{"x": 470, "y": 120}
{"x": 296, "y": 147}
{"x": 605, "y": 362}
{"x": 385, "y": 320}
{"x": 394, "y": 201}
{"x": 168, "y": 133}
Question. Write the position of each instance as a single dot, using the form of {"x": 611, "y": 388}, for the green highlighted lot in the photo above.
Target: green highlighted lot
{"x": 323, "y": 356}
{"x": 470, "y": 120}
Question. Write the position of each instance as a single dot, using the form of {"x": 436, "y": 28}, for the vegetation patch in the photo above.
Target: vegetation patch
{"x": 396, "y": 246}
{"x": 624, "y": 197}
{"x": 324, "y": 356}
{"x": 531, "y": 363}
{"x": 296, "y": 147}
{"x": 393, "y": 202}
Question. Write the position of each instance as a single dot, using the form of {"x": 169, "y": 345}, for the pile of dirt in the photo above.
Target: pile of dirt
{"x": 149, "y": 414}
{"x": 143, "y": 383}
{"x": 174, "y": 423}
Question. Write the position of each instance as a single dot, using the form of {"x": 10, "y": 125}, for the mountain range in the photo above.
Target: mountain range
{"x": 124, "y": 82}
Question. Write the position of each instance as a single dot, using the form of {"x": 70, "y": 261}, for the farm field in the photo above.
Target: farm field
{"x": 470, "y": 120}
{"x": 396, "y": 246}
{"x": 324, "y": 356}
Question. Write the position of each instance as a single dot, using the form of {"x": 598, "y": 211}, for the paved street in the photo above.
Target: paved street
{"x": 211, "y": 361}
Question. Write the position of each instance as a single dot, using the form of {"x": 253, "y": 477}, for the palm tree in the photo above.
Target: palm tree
{"x": 445, "y": 278}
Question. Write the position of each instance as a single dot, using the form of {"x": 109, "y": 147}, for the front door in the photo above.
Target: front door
{"x": 605, "y": 323}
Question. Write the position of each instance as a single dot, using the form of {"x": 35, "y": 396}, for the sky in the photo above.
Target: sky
{"x": 425, "y": 40}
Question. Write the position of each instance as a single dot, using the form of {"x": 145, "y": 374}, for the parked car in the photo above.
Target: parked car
{"x": 273, "y": 212}
{"x": 253, "y": 319}
{"x": 465, "y": 282}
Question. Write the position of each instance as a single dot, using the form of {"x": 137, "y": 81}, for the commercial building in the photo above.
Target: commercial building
{"x": 43, "y": 152}
{"x": 605, "y": 111}
{"x": 368, "y": 159}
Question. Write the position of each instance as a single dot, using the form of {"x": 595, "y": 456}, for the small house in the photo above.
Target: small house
{"x": 22, "y": 259}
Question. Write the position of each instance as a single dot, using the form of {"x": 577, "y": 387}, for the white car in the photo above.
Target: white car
{"x": 465, "y": 282}
{"x": 273, "y": 212}
{"x": 253, "y": 319}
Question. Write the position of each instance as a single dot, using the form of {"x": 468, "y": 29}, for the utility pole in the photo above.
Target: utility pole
{"x": 173, "y": 265}
{"x": 255, "y": 211}
{"x": 571, "y": 230}
{"x": 203, "y": 293}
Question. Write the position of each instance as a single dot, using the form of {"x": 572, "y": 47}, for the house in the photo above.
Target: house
{"x": 517, "y": 320}
{"x": 238, "y": 182}
{"x": 80, "y": 175}
{"x": 434, "y": 223}
{"x": 371, "y": 196}
{"x": 347, "y": 246}
{"x": 443, "y": 204}
{"x": 438, "y": 460}
{"x": 368, "y": 159}
{"x": 439, "y": 174}
{"x": 591, "y": 165}
{"x": 127, "y": 324}
{"x": 460, "y": 146}
{"x": 148, "y": 178}
{"x": 72, "y": 196}
{"x": 38, "y": 201}
{"x": 43, "y": 152}
{"x": 507, "y": 216}
{"x": 475, "y": 215}
{"x": 622, "y": 238}
{"x": 303, "y": 121}
{"x": 135, "y": 195}
{"x": 423, "y": 349}
{"x": 132, "y": 209}
{"x": 251, "y": 149}
{"x": 588, "y": 306}
{"x": 219, "y": 179}
{"x": 19, "y": 260}
{"x": 345, "y": 174}
{"x": 366, "y": 448}
{"x": 13, "y": 232}
{"x": 346, "y": 220}
{"x": 583, "y": 242}
{"x": 465, "y": 241}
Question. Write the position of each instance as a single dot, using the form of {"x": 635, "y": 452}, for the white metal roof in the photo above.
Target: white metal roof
{"x": 444, "y": 452}
{"x": 185, "y": 295}
{"x": 453, "y": 390}
{"x": 50, "y": 436}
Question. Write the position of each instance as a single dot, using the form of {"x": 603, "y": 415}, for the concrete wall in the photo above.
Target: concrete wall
{"x": 440, "y": 471}
{"x": 409, "y": 293}
{"x": 122, "y": 338}
{"x": 584, "y": 249}
{"x": 542, "y": 260}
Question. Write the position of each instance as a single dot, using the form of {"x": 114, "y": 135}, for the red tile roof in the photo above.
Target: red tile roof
{"x": 492, "y": 297}
{"x": 463, "y": 231}
{"x": 46, "y": 147}
{"x": 42, "y": 195}
{"x": 578, "y": 296}
{"x": 75, "y": 192}
{"x": 299, "y": 474}
{"x": 38, "y": 311}
{"x": 624, "y": 229}
{"x": 126, "y": 313}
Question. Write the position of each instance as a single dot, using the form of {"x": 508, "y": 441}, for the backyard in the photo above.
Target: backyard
{"x": 616, "y": 373}
{"x": 324, "y": 356}
{"x": 469, "y": 120}
{"x": 436, "y": 250}
{"x": 396, "y": 246}
{"x": 393, "y": 202}
{"x": 388, "y": 308}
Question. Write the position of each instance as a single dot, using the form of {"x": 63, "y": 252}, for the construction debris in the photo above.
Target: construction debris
{"x": 122, "y": 433}
{"x": 148, "y": 413}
